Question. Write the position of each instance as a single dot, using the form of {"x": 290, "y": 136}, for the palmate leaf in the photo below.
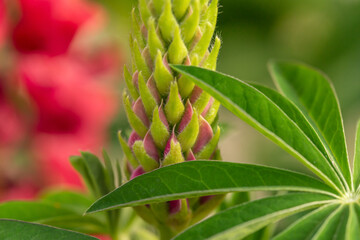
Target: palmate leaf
{"x": 306, "y": 227}
{"x": 18, "y": 230}
{"x": 242, "y": 220}
{"x": 357, "y": 158}
{"x": 313, "y": 93}
{"x": 334, "y": 226}
{"x": 259, "y": 111}
{"x": 294, "y": 114}
{"x": 201, "y": 178}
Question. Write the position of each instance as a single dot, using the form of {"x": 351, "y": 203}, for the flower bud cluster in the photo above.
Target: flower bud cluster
{"x": 172, "y": 119}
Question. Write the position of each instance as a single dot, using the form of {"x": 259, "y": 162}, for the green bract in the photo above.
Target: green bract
{"x": 305, "y": 120}
{"x": 172, "y": 119}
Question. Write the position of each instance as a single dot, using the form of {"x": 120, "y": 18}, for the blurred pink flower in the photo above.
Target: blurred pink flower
{"x": 3, "y": 22}
{"x": 69, "y": 102}
{"x": 49, "y": 26}
{"x": 21, "y": 191}
{"x": 11, "y": 132}
{"x": 73, "y": 112}
{"x": 102, "y": 237}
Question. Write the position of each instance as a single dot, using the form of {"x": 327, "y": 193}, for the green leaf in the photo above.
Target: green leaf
{"x": 293, "y": 112}
{"x": 357, "y": 158}
{"x": 60, "y": 213}
{"x": 260, "y": 112}
{"x": 202, "y": 178}
{"x": 352, "y": 227}
{"x": 312, "y": 91}
{"x": 109, "y": 166}
{"x": 17, "y": 230}
{"x": 32, "y": 211}
{"x": 92, "y": 171}
{"x": 334, "y": 226}
{"x": 70, "y": 199}
{"x": 306, "y": 226}
{"x": 238, "y": 222}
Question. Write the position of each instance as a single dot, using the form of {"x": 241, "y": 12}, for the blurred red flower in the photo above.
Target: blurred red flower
{"x": 11, "y": 132}
{"x": 48, "y": 26}
{"x": 3, "y": 22}
{"x": 73, "y": 111}
{"x": 62, "y": 77}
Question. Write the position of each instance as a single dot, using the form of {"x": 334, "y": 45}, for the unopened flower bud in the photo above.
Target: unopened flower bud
{"x": 160, "y": 128}
{"x": 188, "y": 128}
{"x": 204, "y": 137}
{"x": 174, "y": 107}
{"x": 172, "y": 152}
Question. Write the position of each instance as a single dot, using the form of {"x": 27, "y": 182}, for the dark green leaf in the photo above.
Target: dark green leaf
{"x": 201, "y": 178}
{"x": 17, "y": 230}
{"x": 240, "y": 221}
{"x": 259, "y": 111}
{"x": 313, "y": 93}
{"x": 293, "y": 112}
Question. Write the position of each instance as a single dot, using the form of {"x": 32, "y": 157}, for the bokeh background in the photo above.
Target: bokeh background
{"x": 61, "y": 78}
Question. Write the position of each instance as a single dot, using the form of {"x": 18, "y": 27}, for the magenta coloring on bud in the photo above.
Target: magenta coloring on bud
{"x": 190, "y": 156}
{"x": 153, "y": 89}
{"x": 174, "y": 206}
{"x": 205, "y": 135}
{"x": 166, "y": 63}
{"x": 205, "y": 199}
{"x": 137, "y": 172}
{"x": 208, "y": 106}
{"x": 186, "y": 117}
{"x": 163, "y": 117}
{"x": 144, "y": 31}
{"x": 168, "y": 144}
{"x": 139, "y": 110}
{"x": 135, "y": 79}
{"x": 133, "y": 138}
{"x": 150, "y": 147}
{"x": 196, "y": 93}
{"x": 129, "y": 167}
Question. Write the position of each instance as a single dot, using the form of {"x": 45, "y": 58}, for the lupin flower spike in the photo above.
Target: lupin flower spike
{"x": 172, "y": 119}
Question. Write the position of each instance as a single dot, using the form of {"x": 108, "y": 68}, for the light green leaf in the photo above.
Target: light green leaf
{"x": 357, "y": 158}
{"x": 92, "y": 171}
{"x": 202, "y": 178}
{"x": 17, "y": 230}
{"x": 56, "y": 208}
{"x": 313, "y": 93}
{"x": 305, "y": 227}
{"x": 54, "y": 214}
{"x": 109, "y": 167}
{"x": 259, "y": 111}
{"x": 32, "y": 211}
{"x": 238, "y": 222}
{"x": 352, "y": 226}
{"x": 334, "y": 226}
{"x": 71, "y": 199}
